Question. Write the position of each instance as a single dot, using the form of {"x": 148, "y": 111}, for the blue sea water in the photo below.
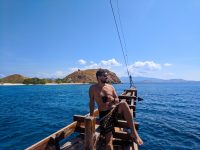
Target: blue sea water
{"x": 169, "y": 116}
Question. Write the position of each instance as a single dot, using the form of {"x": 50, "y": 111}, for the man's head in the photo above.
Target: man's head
{"x": 102, "y": 75}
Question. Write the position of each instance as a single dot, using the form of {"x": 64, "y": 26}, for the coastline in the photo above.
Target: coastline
{"x": 17, "y": 84}
{"x": 11, "y": 84}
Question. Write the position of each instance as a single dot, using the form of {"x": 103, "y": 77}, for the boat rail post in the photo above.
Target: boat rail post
{"x": 90, "y": 133}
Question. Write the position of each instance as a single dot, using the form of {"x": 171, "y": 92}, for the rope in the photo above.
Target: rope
{"x": 121, "y": 27}
{"x": 110, "y": 113}
{"x": 119, "y": 37}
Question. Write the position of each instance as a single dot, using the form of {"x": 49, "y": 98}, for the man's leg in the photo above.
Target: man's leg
{"x": 124, "y": 109}
{"x": 109, "y": 138}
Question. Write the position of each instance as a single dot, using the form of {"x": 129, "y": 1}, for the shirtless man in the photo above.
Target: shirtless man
{"x": 106, "y": 98}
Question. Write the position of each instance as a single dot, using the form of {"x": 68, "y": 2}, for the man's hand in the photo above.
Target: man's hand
{"x": 110, "y": 99}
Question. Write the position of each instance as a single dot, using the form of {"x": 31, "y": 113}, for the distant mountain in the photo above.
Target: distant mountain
{"x": 15, "y": 78}
{"x": 138, "y": 79}
{"x": 89, "y": 76}
{"x": 152, "y": 80}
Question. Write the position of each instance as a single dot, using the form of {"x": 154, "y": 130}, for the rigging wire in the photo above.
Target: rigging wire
{"x": 121, "y": 28}
{"x": 122, "y": 48}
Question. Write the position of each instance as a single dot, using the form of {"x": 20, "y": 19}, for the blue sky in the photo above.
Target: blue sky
{"x": 49, "y": 38}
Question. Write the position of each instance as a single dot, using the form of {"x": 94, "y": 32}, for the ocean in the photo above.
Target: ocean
{"x": 169, "y": 115}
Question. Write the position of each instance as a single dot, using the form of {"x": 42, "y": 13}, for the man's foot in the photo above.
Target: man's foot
{"x": 137, "y": 139}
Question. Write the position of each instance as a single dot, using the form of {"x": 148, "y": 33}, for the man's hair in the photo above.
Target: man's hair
{"x": 100, "y": 72}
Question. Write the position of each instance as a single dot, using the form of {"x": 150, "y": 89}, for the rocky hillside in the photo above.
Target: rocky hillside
{"x": 16, "y": 78}
{"x": 89, "y": 76}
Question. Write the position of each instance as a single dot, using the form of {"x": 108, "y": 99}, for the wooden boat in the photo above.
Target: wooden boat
{"x": 87, "y": 132}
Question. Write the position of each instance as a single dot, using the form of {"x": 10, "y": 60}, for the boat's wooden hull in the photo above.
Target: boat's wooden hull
{"x": 89, "y": 137}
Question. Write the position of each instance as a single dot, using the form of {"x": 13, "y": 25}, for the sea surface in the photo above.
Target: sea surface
{"x": 169, "y": 115}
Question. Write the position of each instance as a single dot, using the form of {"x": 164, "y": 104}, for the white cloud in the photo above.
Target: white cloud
{"x": 92, "y": 66}
{"x": 107, "y": 64}
{"x": 82, "y": 62}
{"x": 144, "y": 68}
{"x": 167, "y": 64}
{"x": 138, "y": 68}
{"x": 110, "y": 62}
{"x": 149, "y": 65}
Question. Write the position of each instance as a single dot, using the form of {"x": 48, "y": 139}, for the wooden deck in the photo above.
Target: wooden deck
{"x": 88, "y": 136}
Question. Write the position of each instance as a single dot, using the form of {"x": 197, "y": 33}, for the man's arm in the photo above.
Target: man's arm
{"x": 115, "y": 96}
{"x": 91, "y": 103}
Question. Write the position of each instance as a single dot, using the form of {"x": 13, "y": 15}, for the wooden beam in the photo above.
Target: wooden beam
{"x": 127, "y": 97}
{"x": 121, "y": 135}
{"x": 130, "y": 90}
{"x": 124, "y": 137}
{"x": 75, "y": 141}
{"x": 80, "y": 129}
{"x": 59, "y": 135}
{"x": 124, "y": 124}
{"x": 132, "y": 107}
{"x": 126, "y": 145}
{"x": 79, "y": 118}
{"x": 95, "y": 113}
{"x": 120, "y": 124}
{"x": 89, "y": 133}
{"x": 121, "y": 142}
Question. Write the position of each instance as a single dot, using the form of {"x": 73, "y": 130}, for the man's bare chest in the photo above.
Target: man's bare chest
{"x": 101, "y": 92}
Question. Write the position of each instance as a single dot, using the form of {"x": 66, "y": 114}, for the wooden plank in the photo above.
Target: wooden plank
{"x": 133, "y": 103}
{"x": 121, "y": 142}
{"x": 79, "y": 118}
{"x": 80, "y": 129}
{"x": 130, "y": 90}
{"x": 89, "y": 133}
{"x": 125, "y": 138}
{"x": 121, "y": 135}
{"x": 127, "y": 97}
{"x": 124, "y": 124}
{"x": 95, "y": 113}
{"x": 132, "y": 107}
{"x": 70, "y": 144}
{"x": 74, "y": 144}
{"x": 124, "y": 144}
{"x": 61, "y": 134}
{"x": 120, "y": 124}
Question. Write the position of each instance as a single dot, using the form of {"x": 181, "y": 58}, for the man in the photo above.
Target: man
{"x": 108, "y": 105}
